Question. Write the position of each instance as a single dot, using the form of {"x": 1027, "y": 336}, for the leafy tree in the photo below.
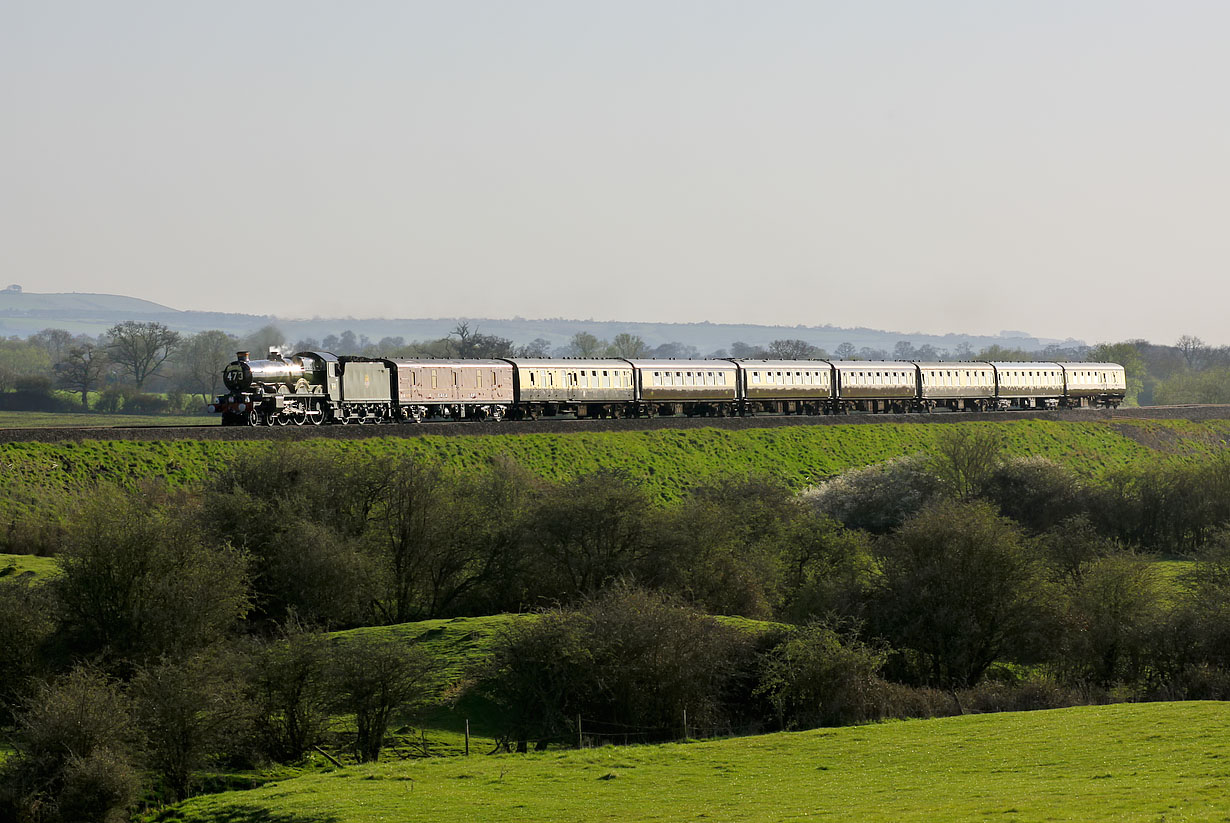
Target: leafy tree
{"x": 140, "y": 349}
{"x": 471, "y": 344}
{"x": 627, "y": 345}
{"x": 958, "y": 590}
{"x": 742, "y": 350}
{"x": 375, "y": 678}
{"x": 682, "y": 351}
{"x": 1035, "y": 492}
{"x": 314, "y": 563}
{"x": 538, "y": 347}
{"x": 722, "y": 546}
{"x": 592, "y": 530}
{"x": 83, "y": 370}
{"x": 584, "y": 344}
{"x": 1208, "y": 386}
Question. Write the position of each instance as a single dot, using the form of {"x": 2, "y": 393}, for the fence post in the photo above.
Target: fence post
{"x": 685, "y": 724}
{"x": 467, "y": 737}
{"x": 579, "y": 735}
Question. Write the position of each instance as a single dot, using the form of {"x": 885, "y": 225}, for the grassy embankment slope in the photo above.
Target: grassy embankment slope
{"x": 1128, "y": 762}
{"x": 666, "y": 461}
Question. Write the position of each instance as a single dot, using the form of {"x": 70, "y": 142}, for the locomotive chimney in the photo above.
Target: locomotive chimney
{"x": 241, "y": 356}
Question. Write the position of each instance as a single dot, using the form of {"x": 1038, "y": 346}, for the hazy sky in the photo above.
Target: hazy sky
{"x": 1057, "y": 167}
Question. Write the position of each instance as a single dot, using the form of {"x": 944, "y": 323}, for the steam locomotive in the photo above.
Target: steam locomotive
{"x": 316, "y": 387}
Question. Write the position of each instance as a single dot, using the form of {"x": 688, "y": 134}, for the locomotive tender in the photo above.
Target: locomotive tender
{"x": 312, "y": 388}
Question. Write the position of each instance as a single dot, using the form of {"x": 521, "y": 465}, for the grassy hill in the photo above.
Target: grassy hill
{"x": 1128, "y": 762}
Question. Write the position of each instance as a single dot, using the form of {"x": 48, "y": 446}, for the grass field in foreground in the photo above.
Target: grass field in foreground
{"x": 1128, "y": 762}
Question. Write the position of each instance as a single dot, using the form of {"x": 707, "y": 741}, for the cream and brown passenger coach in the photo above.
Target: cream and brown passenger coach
{"x": 319, "y": 387}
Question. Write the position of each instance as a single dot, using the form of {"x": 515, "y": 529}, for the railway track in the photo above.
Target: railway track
{"x": 565, "y": 425}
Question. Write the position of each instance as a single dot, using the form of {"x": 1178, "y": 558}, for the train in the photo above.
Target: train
{"x": 318, "y": 387}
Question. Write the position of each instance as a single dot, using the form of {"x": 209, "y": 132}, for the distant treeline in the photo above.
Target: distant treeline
{"x": 124, "y": 368}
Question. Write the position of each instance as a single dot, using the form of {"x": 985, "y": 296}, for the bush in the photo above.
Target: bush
{"x": 721, "y": 546}
{"x": 1113, "y": 622}
{"x": 821, "y": 676}
{"x": 374, "y": 678}
{"x": 958, "y": 591}
{"x": 1035, "y": 492}
{"x": 33, "y": 394}
{"x": 290, "y": 692}
{"x": 26, "y": 624}
{"x": 75, "y": 747}
{"x": 111, "y": 400}
{"x": 192, "y": 712}
{"x": 146, "y": 404}
{"x": 625, "y": 660}
{"x": 138, "y": 580}
{"x": 878, "y": 498}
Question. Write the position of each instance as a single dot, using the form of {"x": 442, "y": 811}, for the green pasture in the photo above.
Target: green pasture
{"x": 26, "y": 567}
{"x": 1127, "y": 762}
{"x": 43, "y": 420}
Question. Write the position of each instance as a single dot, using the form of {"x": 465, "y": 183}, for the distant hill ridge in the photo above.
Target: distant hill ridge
{"x": 24, "y": 313}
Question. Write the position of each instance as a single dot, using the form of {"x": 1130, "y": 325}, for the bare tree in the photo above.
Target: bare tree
{"x": 538, "y": 347}
{"x": 83, "y": 370}
{"x": 966, "y": 456}
{"x": 792, "y": 350}
{"x": 140, "y": 349}
{"x": 55, "y": 342}
{"x": 202, "y": 357}
{"x": 845, "y": 351}
{"x": 1192, "y": 349}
